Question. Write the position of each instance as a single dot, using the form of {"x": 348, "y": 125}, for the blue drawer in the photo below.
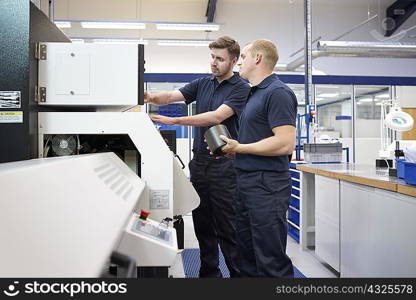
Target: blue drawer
{"x": 293, "y": 232}
{"x": 294, "y": 174}
{"x": 296, "y": 183}
{"x": 294, "y": 202}
{"x": 295, "y": 192}
{"x": 293, "y": 216}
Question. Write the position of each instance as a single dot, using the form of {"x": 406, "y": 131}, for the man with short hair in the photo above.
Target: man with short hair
{"x": 220, "y": 99}
{"x": 265, "y": 142}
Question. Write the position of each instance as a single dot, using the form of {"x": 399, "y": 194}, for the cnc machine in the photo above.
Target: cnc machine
{"x": 90, "y": 87}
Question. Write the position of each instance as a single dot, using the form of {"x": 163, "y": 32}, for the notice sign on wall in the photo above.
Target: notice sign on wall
{"x": 10, "y": 99}
{"x": 11, "y": 117}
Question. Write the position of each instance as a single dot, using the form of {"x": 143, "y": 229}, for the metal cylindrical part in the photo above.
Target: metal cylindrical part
{"x": 212, "y": 136}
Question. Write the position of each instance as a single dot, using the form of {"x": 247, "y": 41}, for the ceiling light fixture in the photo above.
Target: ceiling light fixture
{"x": 77, "y": 41}
{"x": 120, "y": 41}
{"x": 328, "y": 95}
{"x": 384, "y": 95}
{"x": 197, "y": 43}
{"x": 188, "y": 26}
{"x": 113, "y": 25}
{"x": 366, "y": 100}
{"x": 63, "y": 24}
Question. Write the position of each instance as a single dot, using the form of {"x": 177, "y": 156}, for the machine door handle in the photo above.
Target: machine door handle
{"x": 180, "y": 160}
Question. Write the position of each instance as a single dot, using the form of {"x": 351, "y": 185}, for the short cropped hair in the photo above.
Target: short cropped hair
{"x": 225, "y": 42}
{"x": 268, "y": 49}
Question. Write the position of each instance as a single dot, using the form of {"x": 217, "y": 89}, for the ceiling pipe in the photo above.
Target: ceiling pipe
{"x": 354, "y": 49}
{"x": 389, "y": 49}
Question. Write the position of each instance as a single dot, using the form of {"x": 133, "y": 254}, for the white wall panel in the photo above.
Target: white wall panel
{"x": 278, "y": 20}
{"x": 96, "y": 9}
{"x": 406, "y": 96}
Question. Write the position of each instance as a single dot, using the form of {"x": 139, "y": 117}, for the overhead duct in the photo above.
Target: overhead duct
{"x": 355, "y": 49}
{"x": 368, "y": 49}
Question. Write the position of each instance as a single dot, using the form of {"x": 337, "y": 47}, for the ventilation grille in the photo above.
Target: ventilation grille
{"x": 113, "y": 177}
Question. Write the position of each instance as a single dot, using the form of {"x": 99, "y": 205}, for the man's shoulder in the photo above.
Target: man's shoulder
{"x": 202, "y": 80}
{"x": 276, "y": 83}
{"x": 206, "y": 78}
{"x": 280, "y": 93}
{"x": 242, "y": 84}
{"x": 279, "y": 88}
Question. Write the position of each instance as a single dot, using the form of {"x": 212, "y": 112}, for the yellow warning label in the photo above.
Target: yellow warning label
{"x": 16, "y": 113}
{"x": 11, "y": 117}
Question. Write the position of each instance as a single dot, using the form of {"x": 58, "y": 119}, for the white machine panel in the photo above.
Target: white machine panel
{"x": 168, "y": 191}
{"x": 89, "y": 75}
{"x": 62, "y": 217}
{"x": 150, "y": 243}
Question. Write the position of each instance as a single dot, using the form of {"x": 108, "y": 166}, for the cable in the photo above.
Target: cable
{"x": 387, "y": 163}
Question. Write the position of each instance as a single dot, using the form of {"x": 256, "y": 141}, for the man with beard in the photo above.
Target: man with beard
{"x": 220, "y": 99}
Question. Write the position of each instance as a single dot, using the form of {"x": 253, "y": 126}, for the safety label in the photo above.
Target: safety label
{"x": 159, "y": 199}
{"x": 10, "y": 99}
{"x": 11, "y": 117}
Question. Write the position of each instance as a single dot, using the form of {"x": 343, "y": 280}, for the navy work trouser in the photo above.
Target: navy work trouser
{"x": 214, "y": 219}
{"x": 261, "y": 205}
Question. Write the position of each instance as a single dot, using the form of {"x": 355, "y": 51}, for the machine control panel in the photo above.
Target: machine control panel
{"x": 152, "y": 229}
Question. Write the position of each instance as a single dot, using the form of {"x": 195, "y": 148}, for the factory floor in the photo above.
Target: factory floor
{"x": 305, "y": 261}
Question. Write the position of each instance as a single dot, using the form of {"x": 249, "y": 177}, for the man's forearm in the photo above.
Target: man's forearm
{"x": 204, "y": 119}
{"x": 272, "y": 146}
{"x": 161, "y": 98}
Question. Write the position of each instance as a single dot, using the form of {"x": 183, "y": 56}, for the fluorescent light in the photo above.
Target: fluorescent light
{"x": 385, "y": 96}
{"x": 365, "y": 100}
{"x": 113, "y": 25}
{"x": 197, "y": 43}
{"x": 77, "y": 41}
{"x": 328, "y": 95}
{"x": 120, "y": 41}
{"x": 188, "y": 26}
{"x": 63, "y": 24}
{"x": 330, "y": 87}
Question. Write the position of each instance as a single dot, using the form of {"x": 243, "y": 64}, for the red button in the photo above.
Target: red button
{"x": 144, "y": 214}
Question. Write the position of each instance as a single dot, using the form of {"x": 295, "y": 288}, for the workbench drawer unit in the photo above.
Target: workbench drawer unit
{"x": 293, "y": 214}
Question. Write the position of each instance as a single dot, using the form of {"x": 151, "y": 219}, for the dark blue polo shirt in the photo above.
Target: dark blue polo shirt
{"x": 270, "y": 104}
{"x": 209, "y": 95}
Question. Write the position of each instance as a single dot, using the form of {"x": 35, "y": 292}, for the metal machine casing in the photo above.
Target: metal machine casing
{"x": 109, "y": 77}
{"x": 63, "y": 217}
{"x": 168, "y": 191}
{"x": 90, "y": 74}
